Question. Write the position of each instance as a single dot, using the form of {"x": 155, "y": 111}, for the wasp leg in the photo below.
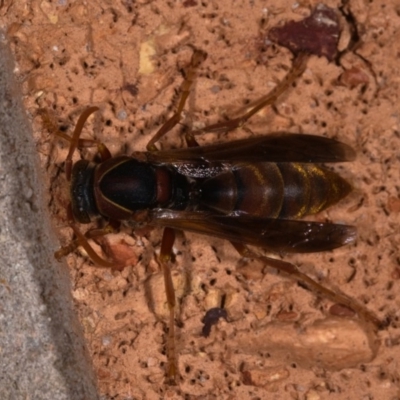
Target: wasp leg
{"x": 305, "y": 280}
{"x": 74, "y": 141}
{"x": 299, "y": 65}
{"x": 167, "y": 242}
{"x": 197, "y": 58}
{"x": 82, "y": 240}
{"x": 169, "y": 234}
{"x": 50, "y": 124}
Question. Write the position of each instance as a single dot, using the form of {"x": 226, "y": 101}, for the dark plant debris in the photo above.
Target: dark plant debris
{"x": 317, "y": 34}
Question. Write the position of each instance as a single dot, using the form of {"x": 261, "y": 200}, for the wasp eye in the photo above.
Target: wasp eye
{"x": 83, "y": 204}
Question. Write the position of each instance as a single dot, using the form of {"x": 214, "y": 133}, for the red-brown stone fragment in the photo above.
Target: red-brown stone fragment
{"x": 394, "y": 204}
{"x": 353, "y": 77}
{"x": 341, "y": 311}
{"x": 119, "y": 251}
{"x": 264, "y": 377}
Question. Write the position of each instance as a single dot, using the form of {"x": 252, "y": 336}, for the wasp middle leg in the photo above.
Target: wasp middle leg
{"x": 169, "y": 234}
{"x": 297, "y": 69}
{"x": 197, "y": 58}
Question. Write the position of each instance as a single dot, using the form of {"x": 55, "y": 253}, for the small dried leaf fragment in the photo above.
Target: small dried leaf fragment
{"x": 317, "y": 34}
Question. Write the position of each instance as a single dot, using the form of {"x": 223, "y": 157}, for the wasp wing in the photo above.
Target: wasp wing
{"x": 275, "y": 147}
{"x": 274, "y": 235}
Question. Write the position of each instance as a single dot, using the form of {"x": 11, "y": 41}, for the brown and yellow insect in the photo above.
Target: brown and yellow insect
{"x": 251, "y": 192}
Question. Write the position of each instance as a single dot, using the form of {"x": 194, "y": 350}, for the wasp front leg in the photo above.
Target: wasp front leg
{"x": 82, "y": 240}
{"x": 76, "y": 142}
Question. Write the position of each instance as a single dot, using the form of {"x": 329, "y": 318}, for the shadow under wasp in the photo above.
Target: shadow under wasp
{"x": 250, "y": 192}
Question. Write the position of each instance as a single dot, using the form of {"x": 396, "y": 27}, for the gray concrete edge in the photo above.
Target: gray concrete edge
{"x": 42, "y": 351}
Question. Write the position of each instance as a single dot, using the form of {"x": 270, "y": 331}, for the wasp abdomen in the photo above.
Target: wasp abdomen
{"x": 274, "y": 190}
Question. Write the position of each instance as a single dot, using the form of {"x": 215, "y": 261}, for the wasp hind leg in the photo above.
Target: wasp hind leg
{"x": 304, "y": 280}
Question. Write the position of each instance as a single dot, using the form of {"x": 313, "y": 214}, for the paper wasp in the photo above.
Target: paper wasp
{"x": 250, "y": 192}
